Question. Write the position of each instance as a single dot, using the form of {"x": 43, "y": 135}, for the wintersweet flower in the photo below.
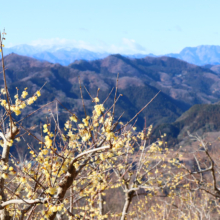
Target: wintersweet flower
{"x": 34, "y": 97}
{"x": 3, "y": 91}
{"x": 22, "y": 105}
{"x": 3, "y": 102}
{"x": 24, "y": 94}
{"x": 5, "y": 167}
{"x": 68, "y": 124}
{"x": 99, "y": 109}
{"x": 38, "y": 93}
{"x": 30, "y": 101}
{"x": 17, "y": 110}
{"x": 52, "y": 190}
{"x": 96, "y": 99}
{"x": 45, "y": 151}
{"x": 5, "y": 176}
{"x": 73, "y": 118}
{"x": 11, "y": 168}
{"x": 85, "y": 121}
{"x": 86, "y": 137}
{"x": 22, "y": 179}
{"x": 48, "y": 141}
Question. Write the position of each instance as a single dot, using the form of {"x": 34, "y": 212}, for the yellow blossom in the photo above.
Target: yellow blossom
{"x": 3, "y": 102}
{"x": 22, "y": 179}
{"x": 73, "y": 118}
{"x": 30, "y": 101}
{"x": 24, "y": 94}
{"x": 48, "y": 141}
{"x": 11, "y": 168}
{"x": 96, "y": 99}
{"x": 85, "y": 121}
{"x": 22, "y": 105}
{"x": 81, "y": 125}
{"x": 3, "y": 91}
{"x": 38, "y": 93}
{"x": 86, "y": 137}
{"x": 51, "y": 190}
{"x": 5, "y": 176}
{"x": 5, "y": 167}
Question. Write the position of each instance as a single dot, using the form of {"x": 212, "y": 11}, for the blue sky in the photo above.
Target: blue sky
{"x": 116, "y": 26}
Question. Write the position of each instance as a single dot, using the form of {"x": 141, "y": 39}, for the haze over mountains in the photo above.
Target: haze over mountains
{"x": 201, "y": 55}
{"x": 63, "y": 56}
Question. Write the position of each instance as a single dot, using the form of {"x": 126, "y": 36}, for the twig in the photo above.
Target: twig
{"x": 82, "y": 97}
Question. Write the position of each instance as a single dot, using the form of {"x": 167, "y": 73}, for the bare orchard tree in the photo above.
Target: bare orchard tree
{"x": 141, "y": 169}
{"x": 191, "y": 187}
{"x": 197, "y": 190}
{"x": 204, "y": 174}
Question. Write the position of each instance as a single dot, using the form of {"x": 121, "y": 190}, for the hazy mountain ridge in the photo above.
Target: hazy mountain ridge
{"x": 180, "y": 80}
{"x": 184, "y": 82}
{"x": 54, "y": 54}
{"x": 63, "y": 84}
{"x": 200, "y": 55}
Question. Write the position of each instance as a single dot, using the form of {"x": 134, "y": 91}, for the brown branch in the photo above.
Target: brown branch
{"x": 139, "y": 111}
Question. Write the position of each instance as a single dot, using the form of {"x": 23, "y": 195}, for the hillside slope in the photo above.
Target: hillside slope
{"x": 180, "y": 80}
{"x": 198, "y": 120}
{"x": 62, "y": 84}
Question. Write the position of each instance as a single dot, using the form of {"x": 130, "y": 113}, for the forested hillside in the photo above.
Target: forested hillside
{"x": 182, "y": 85}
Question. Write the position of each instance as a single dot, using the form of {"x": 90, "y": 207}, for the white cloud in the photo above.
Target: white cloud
{"x": 127, "y": 46}
{"x": 133, "y": 46}
{"x": 58, "y": 42}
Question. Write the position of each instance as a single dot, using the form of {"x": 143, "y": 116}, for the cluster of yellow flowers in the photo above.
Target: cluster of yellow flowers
{"x": 98, "y": 111}
{"x": 6, "y": 171}
{"x": 56, "y": 152}
{"x": 51, "y": 209}
{"x": 19, "y": 103}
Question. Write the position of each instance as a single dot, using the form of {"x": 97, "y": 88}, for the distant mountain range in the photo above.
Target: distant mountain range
{"x": 182, "y": 84}
{"x": 201, "y": 55}
{"x": 63, "y": 56}
{"x": 137, "y": 77}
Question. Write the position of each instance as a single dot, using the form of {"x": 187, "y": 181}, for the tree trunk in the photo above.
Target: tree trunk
{"x": 64, "y": 186}
{"x": 3, "y": 213}
{"x": 128, "y": 199}
{"x": 100, "y": 204}
{"x": 11, "y": 133}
